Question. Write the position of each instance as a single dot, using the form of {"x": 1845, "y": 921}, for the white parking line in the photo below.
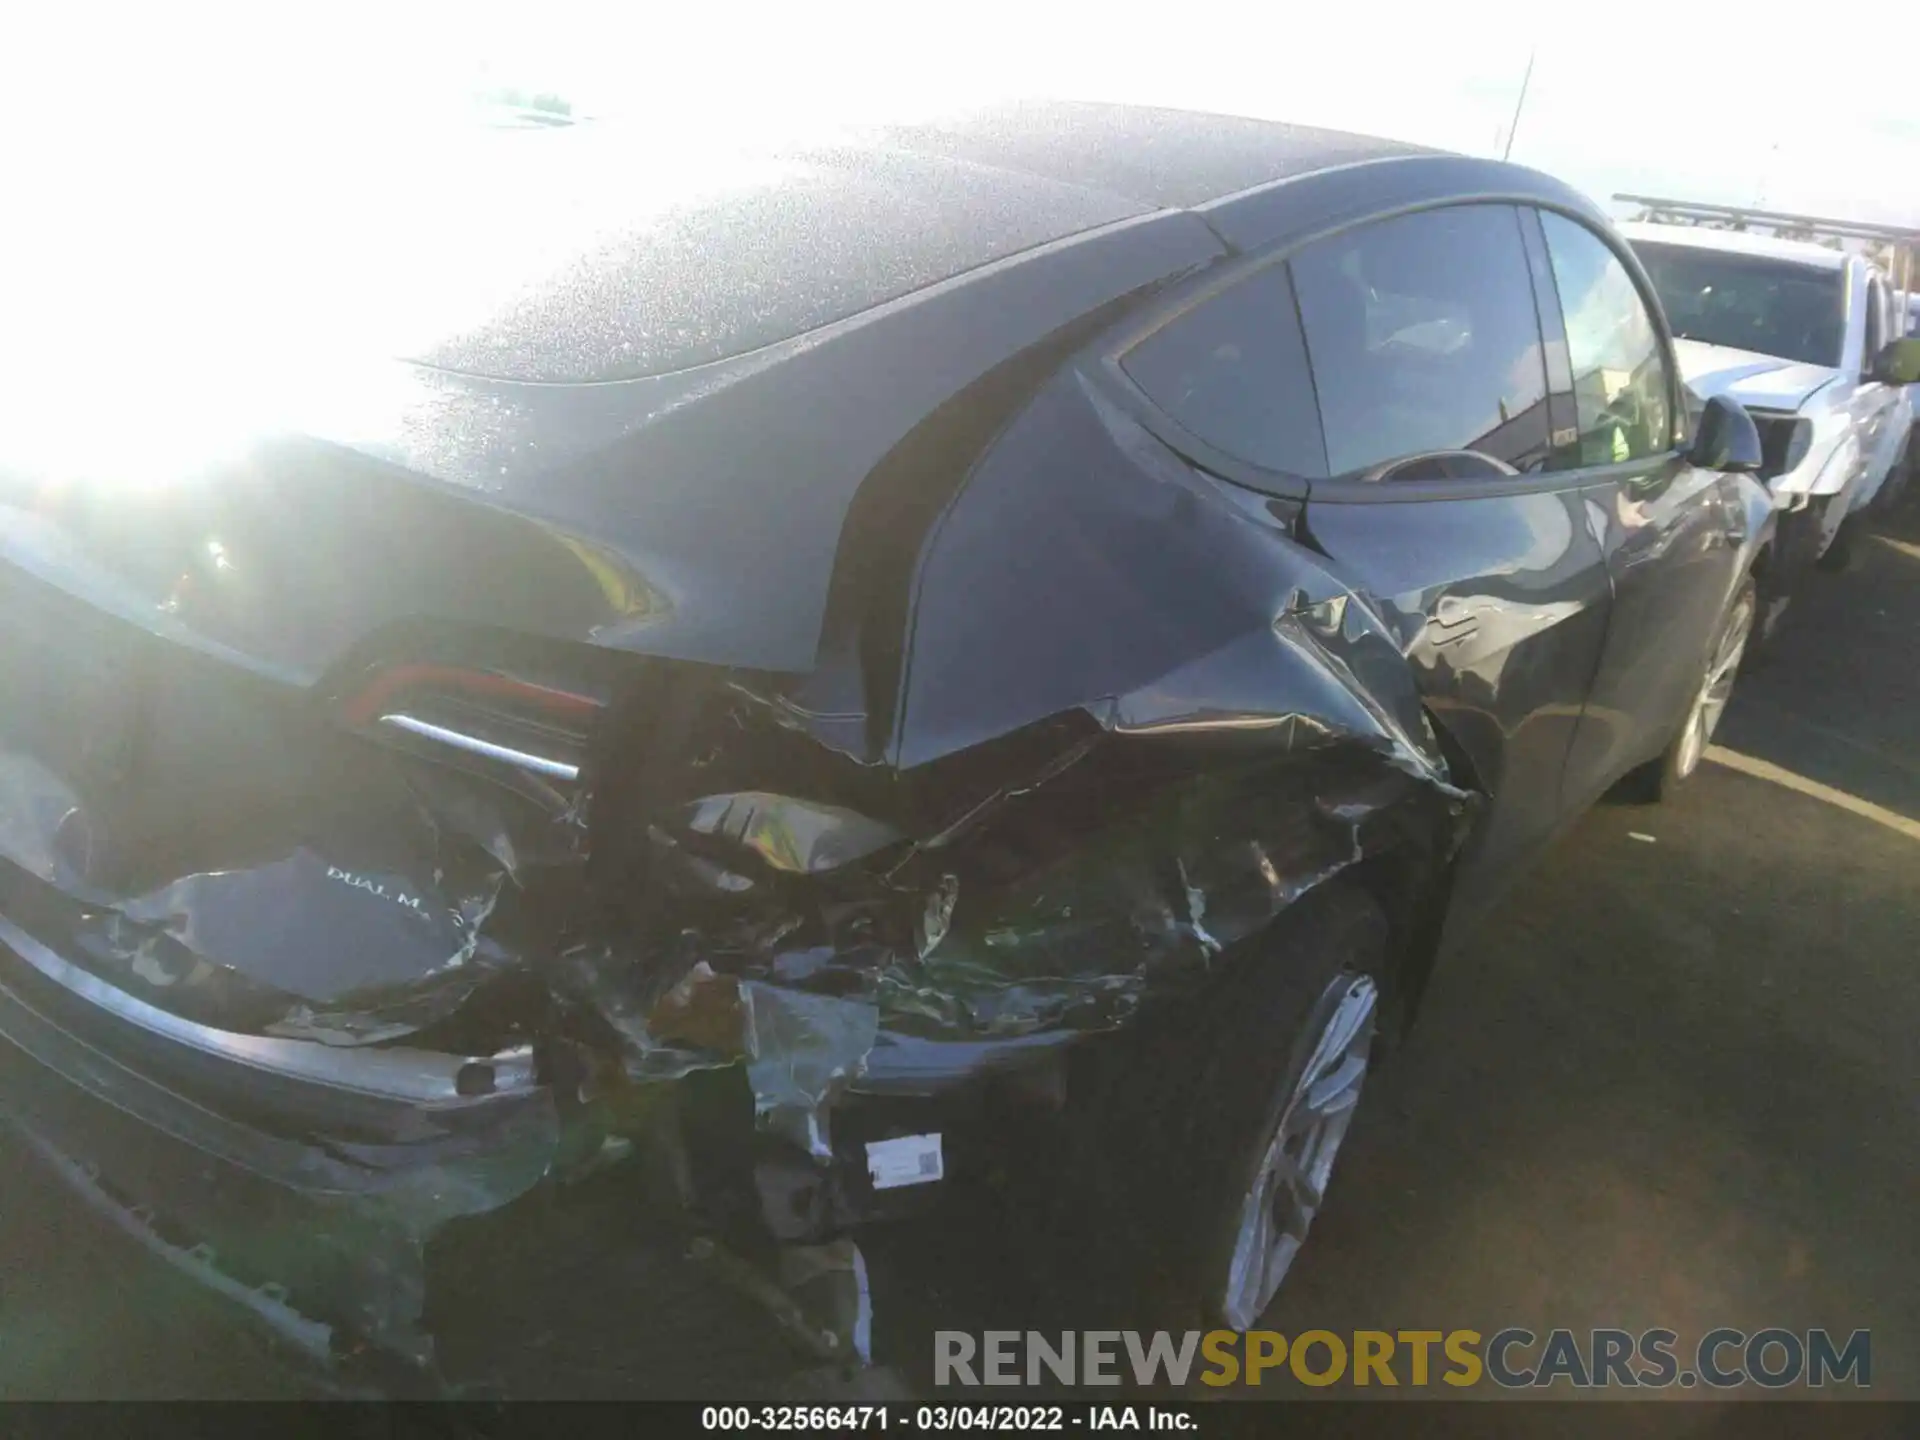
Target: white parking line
{"x": 1827, "y": 732}
{"x": 1765, "y": 770}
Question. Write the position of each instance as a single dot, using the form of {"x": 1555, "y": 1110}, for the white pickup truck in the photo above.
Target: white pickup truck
{"x": 1796, "y": 332}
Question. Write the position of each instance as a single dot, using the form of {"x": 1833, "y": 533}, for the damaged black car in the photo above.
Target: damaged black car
{"x": 1076, "y": 604}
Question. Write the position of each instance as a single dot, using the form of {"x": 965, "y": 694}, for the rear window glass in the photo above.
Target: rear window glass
{"x": 1233, "y": 371}
{"x": 1749, "y": 302}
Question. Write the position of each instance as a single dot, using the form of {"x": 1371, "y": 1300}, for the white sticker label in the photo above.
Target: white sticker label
{"x": 905, "y": 1160}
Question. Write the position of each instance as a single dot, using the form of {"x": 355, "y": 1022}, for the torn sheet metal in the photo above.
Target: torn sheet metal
{"x": 323, "y": 1236}
{"x": 791, "y": 836}
{"x": 350, "y": 928}
{"x": 826, "y": 920}
{"x": 799, "y": 1049}
{"x": 948, "y": 946}
{"x": 349, "y": 920}
{"x": 1129, "y": 868}
{"x": 1055, "y": 873}
{"x": 1045, "y": 870}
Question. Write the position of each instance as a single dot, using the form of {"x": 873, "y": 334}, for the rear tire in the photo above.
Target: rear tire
{"x": 1659, "y": 780}
{"x": 1223, "y": 1127}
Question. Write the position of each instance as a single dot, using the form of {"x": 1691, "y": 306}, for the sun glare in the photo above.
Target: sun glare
{"x": 228, "y": 191}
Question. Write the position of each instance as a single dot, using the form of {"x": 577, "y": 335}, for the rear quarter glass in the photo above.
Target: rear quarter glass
{"x": 1233, "y": 371}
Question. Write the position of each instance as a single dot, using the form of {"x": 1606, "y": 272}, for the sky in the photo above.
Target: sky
{"x": 177, "y": 177}
{"x": 1701, "y": 101}
{"x": 181, "y": 181}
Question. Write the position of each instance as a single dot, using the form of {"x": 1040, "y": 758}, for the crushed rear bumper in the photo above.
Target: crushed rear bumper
{"x": 310, "y": 1210}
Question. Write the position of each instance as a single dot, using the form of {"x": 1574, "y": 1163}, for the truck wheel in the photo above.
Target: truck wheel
{"x": 1230, "y": 1116}
{"x": 1659, "y": 780}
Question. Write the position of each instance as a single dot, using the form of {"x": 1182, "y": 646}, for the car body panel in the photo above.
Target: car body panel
{"x": 1272, "y": 218}
{"x": 1888, "y": 446}
{"x": 695, "y": 515}
{"x": 1671, "y": 538}
{"x": 1156, "y": 158}
{"x": 319, "y": 1229}
{"x": 576, "y": 266}
{"x": 1502, "y": 602}
{"x": 1562, "y": 643}
{"x": 942, "y": 713}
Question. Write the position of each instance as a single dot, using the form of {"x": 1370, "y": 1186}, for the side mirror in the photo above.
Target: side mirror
{"x": 1727, "y": 438}
{"x": 1898, "y": 362}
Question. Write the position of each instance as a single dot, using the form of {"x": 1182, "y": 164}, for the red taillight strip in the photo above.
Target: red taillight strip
{"x": 377, "y": 699}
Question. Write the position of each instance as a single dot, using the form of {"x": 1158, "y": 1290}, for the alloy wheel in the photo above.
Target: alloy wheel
{"x": 1716, "y": 688}
{"x": 1291, "y": 1183}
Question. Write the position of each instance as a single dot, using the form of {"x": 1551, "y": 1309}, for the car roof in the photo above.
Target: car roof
{"x": 1155, "y": 158}
{"x": 857, "y": 373}
{"x": 1805, "y": 252}
{"x": 685, "y": 262}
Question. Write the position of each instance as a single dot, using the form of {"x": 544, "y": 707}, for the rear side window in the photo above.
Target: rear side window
{"x": 1876, "y": 320}
{"x": 1777, "y": 307}
{"x": 1424, "y": 338}
{"x": 1620, "y": 389}
{"x": 1233, "y": 371}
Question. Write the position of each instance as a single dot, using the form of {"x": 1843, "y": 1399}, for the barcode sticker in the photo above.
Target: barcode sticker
{"x": 905, "y": 1160}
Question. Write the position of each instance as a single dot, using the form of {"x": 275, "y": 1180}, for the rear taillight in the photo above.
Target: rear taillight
{"x": 478, "y": 716}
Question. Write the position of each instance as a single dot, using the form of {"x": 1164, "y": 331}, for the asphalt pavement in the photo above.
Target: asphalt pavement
{"x": 1676, "y": 1084}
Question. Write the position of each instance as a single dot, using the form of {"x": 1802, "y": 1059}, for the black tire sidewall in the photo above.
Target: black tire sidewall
{"x": 1265, "y": 1023}
{"x": 1748, "y": 594}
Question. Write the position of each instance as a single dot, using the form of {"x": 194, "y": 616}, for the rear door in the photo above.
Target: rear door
{"x": 1668, "y": 529}
{"x": 1431, "y": 376}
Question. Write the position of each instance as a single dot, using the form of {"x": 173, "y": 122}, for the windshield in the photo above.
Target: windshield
{"x": 1749, "y": 302}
